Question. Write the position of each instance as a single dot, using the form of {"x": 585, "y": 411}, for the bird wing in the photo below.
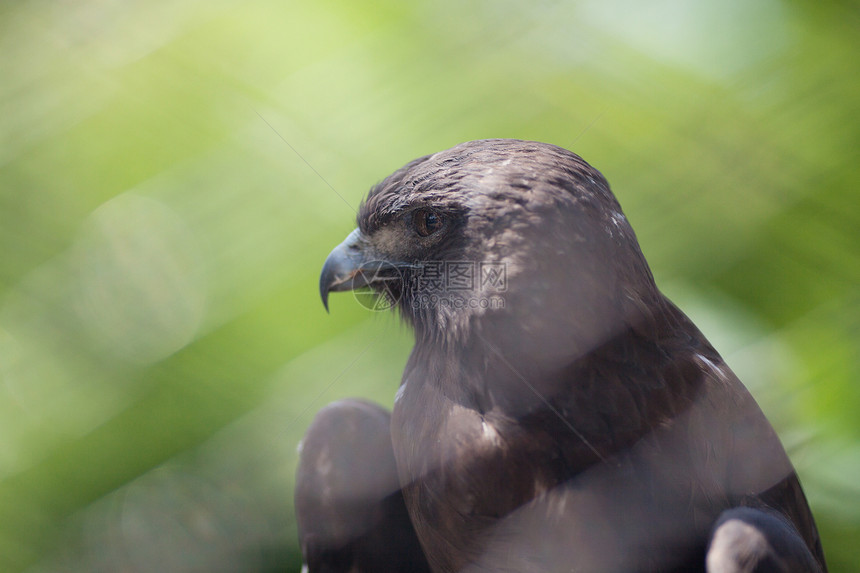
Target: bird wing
{"x": 349, "y": 507}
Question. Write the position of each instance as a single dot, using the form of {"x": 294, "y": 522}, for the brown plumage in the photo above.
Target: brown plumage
{"x": 568, "y": 416}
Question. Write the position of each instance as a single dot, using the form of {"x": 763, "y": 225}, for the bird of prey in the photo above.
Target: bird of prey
{"x": 557, "y": 412}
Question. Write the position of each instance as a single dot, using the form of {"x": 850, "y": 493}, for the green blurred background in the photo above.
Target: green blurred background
{"x": 173, "y": 174}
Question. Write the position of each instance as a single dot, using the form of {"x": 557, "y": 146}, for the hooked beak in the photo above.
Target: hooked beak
{"x": 349, "y": 266}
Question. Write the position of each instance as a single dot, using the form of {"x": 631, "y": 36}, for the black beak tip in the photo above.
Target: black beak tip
{"x": 324, "y": 292}
{"x": 341, "y": 266}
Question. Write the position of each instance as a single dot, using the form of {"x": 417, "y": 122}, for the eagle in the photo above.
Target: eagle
{"x": 557, "y": 411}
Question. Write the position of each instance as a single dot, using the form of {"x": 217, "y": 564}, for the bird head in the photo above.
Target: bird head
{"x": 519, "y": 241}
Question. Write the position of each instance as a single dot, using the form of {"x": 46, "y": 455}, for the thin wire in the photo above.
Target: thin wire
{"x": 305, "y": 161}
{"x": 587, "y": 127}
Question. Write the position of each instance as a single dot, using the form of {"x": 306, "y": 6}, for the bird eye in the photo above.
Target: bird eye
{"x": 426, "y": 222}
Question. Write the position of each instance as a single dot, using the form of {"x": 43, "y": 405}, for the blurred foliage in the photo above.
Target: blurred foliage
{"x": 173, "y": 173}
